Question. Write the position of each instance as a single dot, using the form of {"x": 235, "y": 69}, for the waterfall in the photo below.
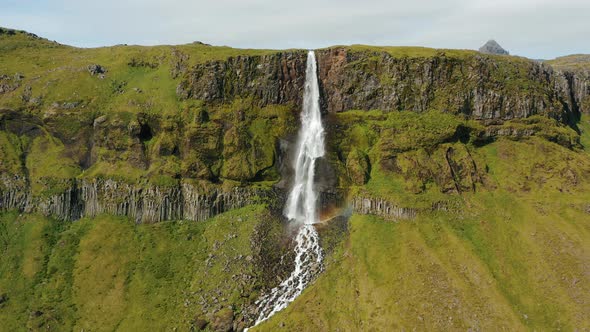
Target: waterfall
{"x": 302, "y": 206}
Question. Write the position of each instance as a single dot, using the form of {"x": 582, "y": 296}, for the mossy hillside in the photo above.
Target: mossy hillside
{"x": 236, "y": 142}
{"x": 513, "y": 256}
{"x": 417, "y": 159}
{"x": 10, "y": 153}
{"x": 108, "y": 273}
{"x": 59, "y": 73}
{"x": 584, "y": 126}
{"x": 135, "y": 89}
{"x": 128, "y": 123}
{"x": 507, "y": 266}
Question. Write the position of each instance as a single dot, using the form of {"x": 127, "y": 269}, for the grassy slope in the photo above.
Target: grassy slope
{"x": 571, "y": 62}
{"x": 108, "y": 273}
{"x": 59, "y": 73}
{"x": 516, "y": 257}
{"x": 489, "y": 271}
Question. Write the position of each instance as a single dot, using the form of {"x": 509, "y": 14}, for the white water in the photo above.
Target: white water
{"x": 302, "y": 206}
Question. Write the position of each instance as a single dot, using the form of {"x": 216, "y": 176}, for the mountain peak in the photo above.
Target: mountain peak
{"x": 492, "y": 47}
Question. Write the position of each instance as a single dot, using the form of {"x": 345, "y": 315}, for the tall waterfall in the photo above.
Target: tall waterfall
{"x": 302, "y": 206}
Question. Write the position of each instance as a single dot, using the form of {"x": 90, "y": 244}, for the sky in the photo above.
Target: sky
{"x": 540, "y": 29}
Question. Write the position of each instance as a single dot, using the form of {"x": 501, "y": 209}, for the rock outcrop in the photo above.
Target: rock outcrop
{"x": 492, "y": 47}
{"x": 383, "y": 208}
{"x": 270, "y": 79}
{"x": 579, "y": 82}
{"x": 144, "y": 204}
{"x": 363, "y": 204}
{"x": 481, "y": 87}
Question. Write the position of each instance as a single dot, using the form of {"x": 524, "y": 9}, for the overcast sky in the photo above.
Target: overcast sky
{"x": 532, "y": 28}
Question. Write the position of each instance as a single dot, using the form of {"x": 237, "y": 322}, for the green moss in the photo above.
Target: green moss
{"x": 49, "y": 167}
{"x": 10, "y": 154}
{"x": 584, "y": 126}
{"x": 357, "y": 165}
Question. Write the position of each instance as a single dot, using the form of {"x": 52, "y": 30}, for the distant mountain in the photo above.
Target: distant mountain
{"x": 492, "y": 47}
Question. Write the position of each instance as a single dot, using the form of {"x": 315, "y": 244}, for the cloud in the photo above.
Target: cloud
{"x": 533, "y": 28}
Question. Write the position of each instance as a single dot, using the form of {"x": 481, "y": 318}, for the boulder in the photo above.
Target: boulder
{"x": 96, "y": 69}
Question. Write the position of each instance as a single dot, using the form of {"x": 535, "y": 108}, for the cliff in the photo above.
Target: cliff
{"x": 479, "y": 86}
{"x": 169, "y": 132}
{"x": 83, "y": 198}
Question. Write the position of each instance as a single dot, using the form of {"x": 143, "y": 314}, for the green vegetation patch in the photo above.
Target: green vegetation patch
{"x": 501, "y": 263}
{"x": 110, "y": 274}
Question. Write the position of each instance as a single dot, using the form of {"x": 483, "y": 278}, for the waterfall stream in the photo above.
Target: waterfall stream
{"x": 302, "y": 206}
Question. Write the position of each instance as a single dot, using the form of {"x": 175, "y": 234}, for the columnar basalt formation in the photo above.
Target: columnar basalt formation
{"x": 144, "y": 204}
{"x": 382, "y": 207}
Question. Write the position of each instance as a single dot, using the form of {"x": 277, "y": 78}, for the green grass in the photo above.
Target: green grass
{"x": 107, "y": 273}
{"x": 513, "y": 255}
{"x": 498, "y": 265}
{"x": 410, "y": 51}
{"x": 10, "y": 153}
{"x": 58, "y": 73}
{"x": 571, "y": 62}
{"x": 584, "y": 126}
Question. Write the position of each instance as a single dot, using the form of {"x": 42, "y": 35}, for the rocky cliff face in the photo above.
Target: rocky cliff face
{"x": 144, "y": 204}
{"x": 270, "y": 79}
{"x": 481, "y": 87}
{"x": 231, "y": 122}
{"x": 382, "y": 207}
{"x": 580, "y": 88}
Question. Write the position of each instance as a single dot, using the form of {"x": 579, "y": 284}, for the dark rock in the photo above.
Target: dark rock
{"x": 8, "y": 84}
{"x": 492, "y": 47}
{"x": 223, "y": 320}
{"x": 96, "y": 69}
{"x": 196, "y": 42}
{"x": 3, "y": 298}
{"x": 200, "y": 322}
{"x": 143, "y": 203}
{"x": 178, "y": 66}
{"x": 271, "y": 79}
{"x": 36, "y": 313}
{"x": 473, "y": 84}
